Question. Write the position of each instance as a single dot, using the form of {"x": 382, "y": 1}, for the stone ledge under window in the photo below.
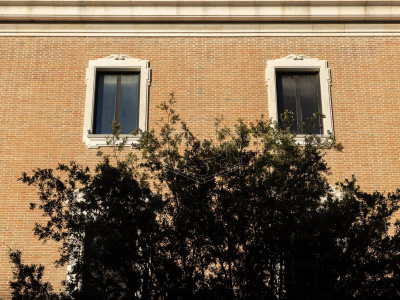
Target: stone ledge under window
{"x": 300, "y": 138}
{"x": 100, "y": 140}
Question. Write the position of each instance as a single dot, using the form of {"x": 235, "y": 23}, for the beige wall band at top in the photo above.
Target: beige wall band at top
{"x": 217, "y": 10}
{"x": 200, "y": 29}
{"x": 197, "y": 2}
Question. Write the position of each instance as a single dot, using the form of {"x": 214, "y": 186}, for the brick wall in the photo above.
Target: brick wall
{"x": 42, "y": 99}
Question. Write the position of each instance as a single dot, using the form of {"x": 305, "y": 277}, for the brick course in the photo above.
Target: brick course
{"x": 42, "y": 99}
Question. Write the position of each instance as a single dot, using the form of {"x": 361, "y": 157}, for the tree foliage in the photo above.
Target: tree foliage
{"x": 248, "y": 214}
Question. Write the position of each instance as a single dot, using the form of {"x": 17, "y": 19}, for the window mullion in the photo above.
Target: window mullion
{"x": 117, "y": 99}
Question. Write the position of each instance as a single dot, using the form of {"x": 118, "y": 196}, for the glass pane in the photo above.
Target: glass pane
{"x": 128, "y": 109}
{"x": 309, "y": 98}
{"x": 286, "y": 90}
{"x": 105, "y": 106}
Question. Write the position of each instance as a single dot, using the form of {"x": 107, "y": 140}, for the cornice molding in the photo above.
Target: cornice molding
{"x": 200, "y": 29}
{"x": 205, "y": 11}
{"x": 195, "y": 2}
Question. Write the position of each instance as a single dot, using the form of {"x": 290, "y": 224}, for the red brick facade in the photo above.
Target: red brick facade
{"x": 42, "y": 103}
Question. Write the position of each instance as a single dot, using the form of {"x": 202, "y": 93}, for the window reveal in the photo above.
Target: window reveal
{"x": 117, "y": 98}
{"x": 299, "y": 92}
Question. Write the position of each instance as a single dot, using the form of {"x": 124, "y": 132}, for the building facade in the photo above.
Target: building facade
{"x": 60, "y": 59}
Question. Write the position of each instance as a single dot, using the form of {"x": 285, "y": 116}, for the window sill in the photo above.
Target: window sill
{"x": 300, "y": 138}
{"x": 100, "y": 140}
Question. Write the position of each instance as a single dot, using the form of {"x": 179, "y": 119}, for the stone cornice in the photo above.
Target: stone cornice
{"x": 196, "y": 2}
{"x": 200, "y": 29}
{"x": 204, "y": 11}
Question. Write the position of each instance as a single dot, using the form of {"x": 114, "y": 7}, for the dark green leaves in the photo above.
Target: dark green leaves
{"x": 248, "y": 214}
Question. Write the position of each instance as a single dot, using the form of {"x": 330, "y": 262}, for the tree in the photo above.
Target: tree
{"x": 248, "y": 215}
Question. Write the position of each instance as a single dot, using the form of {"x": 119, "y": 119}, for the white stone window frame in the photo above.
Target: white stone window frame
{"x": 116, "y": 63}
{"x": 305, "y": 64}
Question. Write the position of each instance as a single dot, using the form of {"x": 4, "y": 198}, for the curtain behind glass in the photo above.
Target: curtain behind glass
{"x": 299, "y": 93}
{"x": 105, "y": 108}
{"x": 286, "y": 89}
{"x": 309, "y": 96}
{"x": 128, "y": 108}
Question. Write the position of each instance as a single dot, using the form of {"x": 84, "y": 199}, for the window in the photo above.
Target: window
{"x": 302, "y": 85}
{"x": 117, "y": 89}
{"x": 299, "y": 92}
{"x": 117, "y": 96}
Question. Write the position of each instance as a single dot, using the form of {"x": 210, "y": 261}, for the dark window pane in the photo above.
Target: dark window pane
{"x": 286, "y": 89}
{"x": 128, "y": 109}
{"x": 105, "y": 104}
{"x": 117, "y": 98}
{"x": 309, "y": 97}
{"x": 299, "y": 92}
